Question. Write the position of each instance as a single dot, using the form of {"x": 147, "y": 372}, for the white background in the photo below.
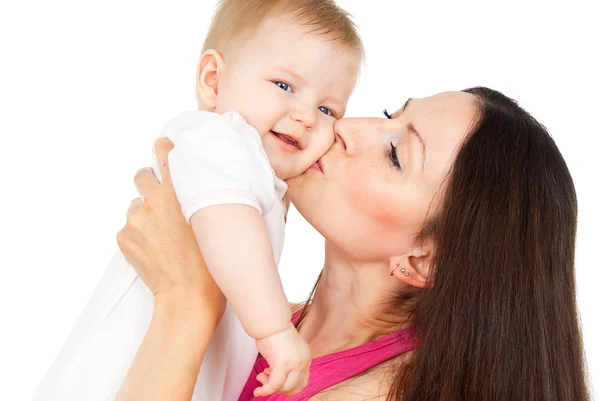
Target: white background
{"x": 85, "y": 87}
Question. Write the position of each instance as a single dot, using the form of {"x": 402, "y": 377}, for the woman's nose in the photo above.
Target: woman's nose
{"x": 346, "y": 134}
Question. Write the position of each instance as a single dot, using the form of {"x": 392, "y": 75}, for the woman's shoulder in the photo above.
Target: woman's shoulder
{"x": 373, "y": 385}
{"x": 366, "y": 387}
{"x": 369, "y": 386}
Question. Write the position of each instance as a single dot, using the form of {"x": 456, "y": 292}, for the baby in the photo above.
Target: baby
{"x": 273, "y": 78}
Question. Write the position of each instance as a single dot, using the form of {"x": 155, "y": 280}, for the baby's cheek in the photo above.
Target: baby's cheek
{"x": 257, "y": 116}
{"x": 319, "y": 144}
{"x": 326, "y": 136}
{"x": 278, "y": 161}
{"x": 256, "y": 107}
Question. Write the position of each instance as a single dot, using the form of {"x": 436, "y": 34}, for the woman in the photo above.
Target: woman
{"x": 464, "y": 199}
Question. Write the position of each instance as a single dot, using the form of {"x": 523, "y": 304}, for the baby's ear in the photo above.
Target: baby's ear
{"x": 210, "y": 67}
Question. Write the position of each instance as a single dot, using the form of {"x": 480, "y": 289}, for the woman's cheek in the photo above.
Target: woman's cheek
{"x": 364, "y": 192}
{"x": 387, "y": 204}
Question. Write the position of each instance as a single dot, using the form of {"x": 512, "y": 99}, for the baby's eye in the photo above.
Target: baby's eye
{"x": 284, "y": 86}
{"x": 325, "y": 111}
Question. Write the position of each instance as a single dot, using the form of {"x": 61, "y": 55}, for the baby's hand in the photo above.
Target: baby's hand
{"x": 289, "y": 359}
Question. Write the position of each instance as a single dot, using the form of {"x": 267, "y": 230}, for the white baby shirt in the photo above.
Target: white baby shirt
{"x": 217, "y": 159}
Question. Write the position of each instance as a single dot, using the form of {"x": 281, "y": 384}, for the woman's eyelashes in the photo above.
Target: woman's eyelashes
{"x": 392, "y": 153}
{"x": 393, "y": 157}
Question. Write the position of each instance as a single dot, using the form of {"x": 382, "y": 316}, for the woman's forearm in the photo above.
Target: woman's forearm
{"x": 166, "y": 365}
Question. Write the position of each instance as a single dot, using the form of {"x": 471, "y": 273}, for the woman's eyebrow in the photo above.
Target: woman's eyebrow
{"x": 406, "y": 104}
{"x": 403, "y": 109}
{"x": 412, "y": 130}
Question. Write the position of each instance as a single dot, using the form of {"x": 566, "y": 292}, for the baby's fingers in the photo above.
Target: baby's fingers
{"x": 274, "y": 383}
{"x": 294, "y": 383}
{"x": 262, "y": 377}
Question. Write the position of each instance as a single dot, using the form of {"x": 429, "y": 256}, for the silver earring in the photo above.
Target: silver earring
{"x": 404, "y": 271}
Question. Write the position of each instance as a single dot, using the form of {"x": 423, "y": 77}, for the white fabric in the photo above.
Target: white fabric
{"x": 217, "y": 159}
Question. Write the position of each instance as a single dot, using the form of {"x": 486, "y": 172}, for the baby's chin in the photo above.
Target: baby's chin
{"x": 285, "y": 168}
{"x": 285, "y": 172}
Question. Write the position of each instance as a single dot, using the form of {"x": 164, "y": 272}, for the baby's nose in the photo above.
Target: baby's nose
{"x": 304, "y": 115}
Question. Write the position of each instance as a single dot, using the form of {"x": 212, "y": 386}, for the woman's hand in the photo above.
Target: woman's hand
{"x": 161, "y": 246}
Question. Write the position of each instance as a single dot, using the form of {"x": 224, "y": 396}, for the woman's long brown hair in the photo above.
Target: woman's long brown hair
{"x": 499, "y": 321}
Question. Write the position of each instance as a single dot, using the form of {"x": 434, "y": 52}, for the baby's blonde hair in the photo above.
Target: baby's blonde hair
{"x": 235, "y": 17}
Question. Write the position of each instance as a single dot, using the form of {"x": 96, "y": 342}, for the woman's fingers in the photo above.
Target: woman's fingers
{"x": 145, "y": 181}
{"x": 128, "y": 242}
{"x": 131, "y": 232}
{"x": 136, "y": 203}
{"x": 129, "y": 239}
{"x": 134, "y": 215}
{"x": 162, "y": 147}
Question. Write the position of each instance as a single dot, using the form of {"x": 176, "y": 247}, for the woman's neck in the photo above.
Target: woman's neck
{"x": 351, "y": 304}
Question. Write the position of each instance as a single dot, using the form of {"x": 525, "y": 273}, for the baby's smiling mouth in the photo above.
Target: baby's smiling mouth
{"x": 288, "y": 139}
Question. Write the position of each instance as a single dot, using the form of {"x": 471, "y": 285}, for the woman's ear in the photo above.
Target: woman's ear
{"x": 210, "y": 67}
{"x": 414, "y": 268}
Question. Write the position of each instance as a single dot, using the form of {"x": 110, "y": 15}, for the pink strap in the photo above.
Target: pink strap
{"x": 331, "y": 369}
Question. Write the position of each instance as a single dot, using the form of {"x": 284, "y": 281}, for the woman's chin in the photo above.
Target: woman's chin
{"x": 294, "y": 185}
{"x": 295, "y": 181}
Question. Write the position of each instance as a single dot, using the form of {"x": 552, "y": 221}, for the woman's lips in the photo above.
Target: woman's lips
{"x": 318, "y": 165}
{"x": 289, "y": 141}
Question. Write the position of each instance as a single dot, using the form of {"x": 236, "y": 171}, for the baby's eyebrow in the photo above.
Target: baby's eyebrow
{"x": 293, "y": 74}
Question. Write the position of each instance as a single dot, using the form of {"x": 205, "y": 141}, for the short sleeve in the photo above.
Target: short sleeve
{"x": 218, "y": 160}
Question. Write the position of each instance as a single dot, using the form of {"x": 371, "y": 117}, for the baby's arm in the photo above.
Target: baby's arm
{"x": 225, "y": 185}
{"x": 237, "y": 250}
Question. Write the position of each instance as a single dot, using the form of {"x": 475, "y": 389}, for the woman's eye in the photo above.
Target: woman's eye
{"x": 393, "y": 156}
{"x": 325, "y": 111}
{"x": 284, "y": 86}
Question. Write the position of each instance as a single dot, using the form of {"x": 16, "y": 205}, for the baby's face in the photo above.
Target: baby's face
{"x": 292, "y": 86}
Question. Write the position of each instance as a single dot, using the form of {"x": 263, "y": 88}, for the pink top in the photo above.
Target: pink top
{"x": 334, "y": 368}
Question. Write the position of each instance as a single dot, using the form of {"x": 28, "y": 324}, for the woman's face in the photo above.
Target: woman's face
{"x": 381, "y": 175}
